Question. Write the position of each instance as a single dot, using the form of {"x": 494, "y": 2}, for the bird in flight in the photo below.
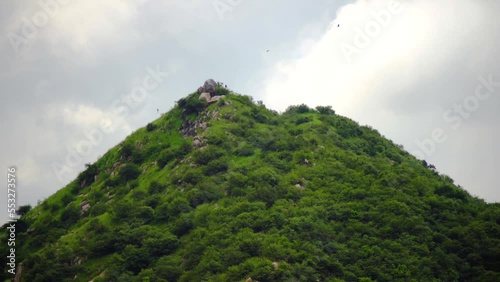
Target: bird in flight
{"x": 338, "y": 25}
{"x": 267, "y": 51}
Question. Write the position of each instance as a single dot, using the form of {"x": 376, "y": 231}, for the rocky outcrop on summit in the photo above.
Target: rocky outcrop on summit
{"x": 208, "y": 87}
{"x": 206, "y": 96}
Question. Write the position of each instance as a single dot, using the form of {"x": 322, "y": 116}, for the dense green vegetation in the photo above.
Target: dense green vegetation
{"x": 305, "y": 195}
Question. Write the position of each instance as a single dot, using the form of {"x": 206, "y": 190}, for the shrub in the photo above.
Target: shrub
{"x": 193, "y": 176}
{"x": 203, "y": 195}
{"x": 325, "y": 110}
{"x": 127, "y": 149}
{"x": 214, "y": 138}
{"x": 216, "y": 166}
{"x": 219, "y": 91}
{"x": 194, "y": 105}
{"x": 155, "y": 187}
{"x": 258, "y": 116}
{"x": 146, "y": 213}
{"x": 208, "y": 154}
{"x": 97, "y": 196}
{"x": 123, "y": 210}
{"x": 302, "y": 120}
{"x": 96, "y": 226}
{"x": 450, "y": 192}
{"x": 150, "y": 127}
{"x": 88, "y": 174}
{"x": 264, "y": 175}
{"x": 177, "y": 206}
{"x": 245, "y": 150}
{"x": 169, "y": 267}
{"x": 300, "y": 109}
{"x": 67, "y": 198}
{"x": 236, "y": 179}
{"x": 130, "y": 171}
{"x": 136, "y": 258}
{"x": 152, "y": 201}
{"x": 138, "y": 194}
{"x": 112, "y": 182}
{"x": 53, "y": 207}
{"x": 165, "y": 157}
{"x": 70, "y": 215}
{"x": 138, "y": 157}
{"x": 23, "y": 210}
{"x": 153, "y": 150}
{"x": 184, "y": 149}
{"x": 98, "y": 209}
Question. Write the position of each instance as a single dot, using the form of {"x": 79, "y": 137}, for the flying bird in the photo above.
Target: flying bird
{"x": 338, "y": 25}
{"x": 267, "y": 51}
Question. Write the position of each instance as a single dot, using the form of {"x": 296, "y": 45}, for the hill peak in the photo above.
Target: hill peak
{"x": 221, "y": 188}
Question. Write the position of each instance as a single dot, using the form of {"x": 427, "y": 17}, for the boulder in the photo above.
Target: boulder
{"x": 83, "y": 202}
{"x": 209, "y": 86}
{"x": 84, "y": 206}
{"x": 216, "y": 98}
{"x": 299, "y": 187}
{"x": 203, "y": 126}
{"x": 206, "y": 96}
{"x": 197, "y": 141}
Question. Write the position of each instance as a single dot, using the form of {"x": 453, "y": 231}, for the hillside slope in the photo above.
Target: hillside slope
{"x": 231, "y": 190}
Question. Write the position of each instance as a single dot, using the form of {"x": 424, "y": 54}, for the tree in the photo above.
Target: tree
{"x": 23, "y": 210}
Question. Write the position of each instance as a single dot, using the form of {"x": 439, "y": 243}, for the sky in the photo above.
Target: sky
{"x": 77, "y": 77}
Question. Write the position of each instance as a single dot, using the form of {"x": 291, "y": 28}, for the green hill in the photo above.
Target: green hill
{"x": 232, "y": 191}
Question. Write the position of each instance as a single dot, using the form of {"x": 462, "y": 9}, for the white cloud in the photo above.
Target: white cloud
{"x": 87, "y": 117}
{"x": 403, "y": 76}
{"x": 84, "y": 28}
{"x": 30, "y": 171}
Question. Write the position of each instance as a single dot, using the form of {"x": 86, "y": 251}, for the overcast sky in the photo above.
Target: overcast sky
{"x": 78, "y": 76}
